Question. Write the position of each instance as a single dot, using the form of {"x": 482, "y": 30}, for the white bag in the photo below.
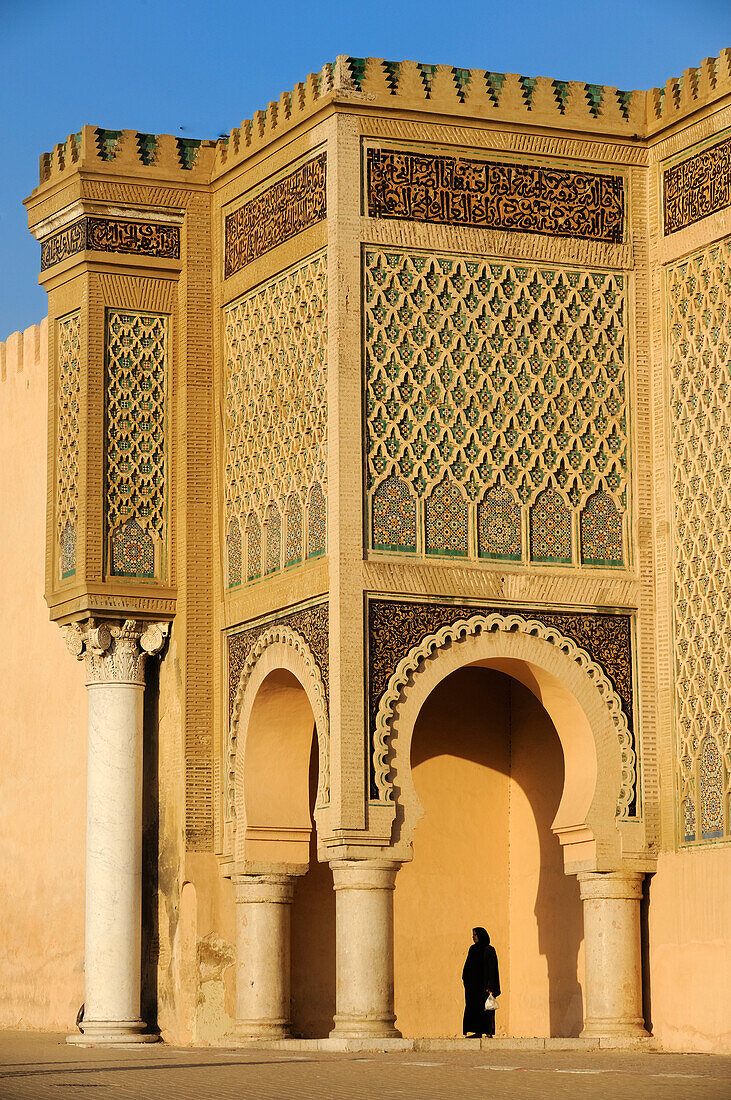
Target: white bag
{"x": 491, "y": 1003}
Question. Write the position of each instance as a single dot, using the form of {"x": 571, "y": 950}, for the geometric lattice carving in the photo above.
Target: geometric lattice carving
{"x": 394, "y": 516}
{"x": 498, "y": 525}
{"x": 447, "y": 521}
{"x": 67, "y": 442}
{"x": 294, "y": 537}
{"x": 550, "y": 528}
{"x": 253, "y": 547}
{"x": 601, "y": 532}
{"x": 479, "y": 371}
{"x": 135, "y": 441}
{"x": 235, "y": 555}
{"x": 133, "y": 551}
{"x": 273, "y": 539}
{"x": 316, "y": 521}
{"x": 276, "y": 408}
{"x": 699, "y": 301}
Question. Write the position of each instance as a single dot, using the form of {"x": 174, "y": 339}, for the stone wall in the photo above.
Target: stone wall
{"x": 42, "y": 726}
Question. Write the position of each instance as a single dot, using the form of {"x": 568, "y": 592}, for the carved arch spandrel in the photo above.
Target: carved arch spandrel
{"x": 277, "y": 648}
{"x": 599, "y": 757}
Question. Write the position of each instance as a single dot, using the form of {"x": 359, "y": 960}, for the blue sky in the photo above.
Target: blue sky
{"x": 198, "y": 68}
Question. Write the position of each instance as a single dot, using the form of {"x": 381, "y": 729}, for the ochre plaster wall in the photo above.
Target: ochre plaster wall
{"x": 488, "y": 770}
{"x": 690, "y": 950}
{"x": 42, "y": 727}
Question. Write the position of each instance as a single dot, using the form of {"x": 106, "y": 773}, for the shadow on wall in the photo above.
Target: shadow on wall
{"x": 313, "y": 938}
{"x": 488, "y": 770}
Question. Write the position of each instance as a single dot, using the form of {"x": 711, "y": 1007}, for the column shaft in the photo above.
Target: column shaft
{"x": 114, "y": 856}
{"x": 364, "y": 948}
{"x": 613, "y": 1004}
{"x": 263, "y": 917}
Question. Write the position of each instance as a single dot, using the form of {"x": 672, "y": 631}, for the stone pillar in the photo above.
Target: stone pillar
{"x": 364, "y": 948}
{"x": 613, "y": 957}
{"x": 115, "y": 656}
{"x": 263, "y": 972}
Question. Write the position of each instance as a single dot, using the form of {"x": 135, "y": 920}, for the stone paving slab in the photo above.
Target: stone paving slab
{"x": 36, "y": 1066}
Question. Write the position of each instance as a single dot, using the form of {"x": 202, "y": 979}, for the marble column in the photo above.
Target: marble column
{"x": 364, "y": 948}
{"x": 114, "y": 653}
{"x": 613, "y": 956}
{"x": 263, "y": 970}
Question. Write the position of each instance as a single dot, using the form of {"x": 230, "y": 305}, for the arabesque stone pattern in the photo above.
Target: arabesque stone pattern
{"x": 497, "y": 401}
{"x": 699, "y": 326}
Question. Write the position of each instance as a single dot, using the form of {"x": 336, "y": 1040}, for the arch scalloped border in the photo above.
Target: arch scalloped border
{"x": 291, "y": 638}
{"x": 483, "y": 624}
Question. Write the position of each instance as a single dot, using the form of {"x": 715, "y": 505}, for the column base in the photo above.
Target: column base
{"x": 364, "y": 1027}
{"x": 113, "y": 1033}
{"x": 261, "y": 1030}
{"x": 614, "y": 1029}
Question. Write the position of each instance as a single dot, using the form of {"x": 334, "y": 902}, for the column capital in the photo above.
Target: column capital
{"x": 364, "y": 874}
{"x": 599, "y": 885}
{"x": 115, "y": 650}
{"x": 274, "y": 889}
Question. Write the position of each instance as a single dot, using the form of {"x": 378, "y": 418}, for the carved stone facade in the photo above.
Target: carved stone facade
{"x": 489, "y": 378}
{"x": 115, "y": 652}
{"x": 276, "y": 424}
{"x": 405, "y": 411}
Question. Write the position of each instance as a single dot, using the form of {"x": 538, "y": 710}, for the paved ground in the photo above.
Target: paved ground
{"x": 40, "y": 1067}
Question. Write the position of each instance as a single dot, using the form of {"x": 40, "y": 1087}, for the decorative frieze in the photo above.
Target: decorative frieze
{"x": 283, "y": 210}
{"x": 697, "y": 187}
{"x": 398, "y": 627}
{"x": 442, "y": 190}
{"x": 110, "y": 235}
{"x": 115, "y": 652}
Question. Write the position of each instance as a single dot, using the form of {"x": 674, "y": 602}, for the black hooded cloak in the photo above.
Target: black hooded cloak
{"x": 480, "y": 976}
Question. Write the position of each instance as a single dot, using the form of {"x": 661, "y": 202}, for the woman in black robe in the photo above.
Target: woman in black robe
{"x": 480, "y": 976}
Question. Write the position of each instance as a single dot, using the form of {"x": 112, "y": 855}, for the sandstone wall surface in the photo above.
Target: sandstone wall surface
{"x": 42, "y": 726}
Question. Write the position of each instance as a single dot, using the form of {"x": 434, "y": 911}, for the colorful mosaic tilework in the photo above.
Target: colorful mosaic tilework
{"x": 479, "y": 371}
{"x": 499, "y": 525}
{"x": 550, "y": 528}
{"x": 276, "y": 407}
{"x": 394, "y": 516}
{"x": 133, "y": 551}
{"x": 135, "y": 455}
{"x": 293, "y": 533}
{"x": 67, "y": 441}
{"x": 447, "y": 521}
{"x": 235, "y": 555}
{"x": 699, "y": 328}
{"x": 697, "y": 187}
{"x": 601, "y": 532}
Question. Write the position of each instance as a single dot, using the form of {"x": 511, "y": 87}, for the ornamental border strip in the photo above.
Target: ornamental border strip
{"x": 134, "y": 238}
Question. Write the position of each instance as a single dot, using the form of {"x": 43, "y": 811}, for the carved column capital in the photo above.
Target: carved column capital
{"x": 115, "y": 651}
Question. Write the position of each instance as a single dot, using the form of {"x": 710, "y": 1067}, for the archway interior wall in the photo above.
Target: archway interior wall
{"x": 488, "y": 772}
{"x": 586, "y": 819}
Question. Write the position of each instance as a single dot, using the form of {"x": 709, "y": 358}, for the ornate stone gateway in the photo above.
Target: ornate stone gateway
{"x": 403, "y": 411}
